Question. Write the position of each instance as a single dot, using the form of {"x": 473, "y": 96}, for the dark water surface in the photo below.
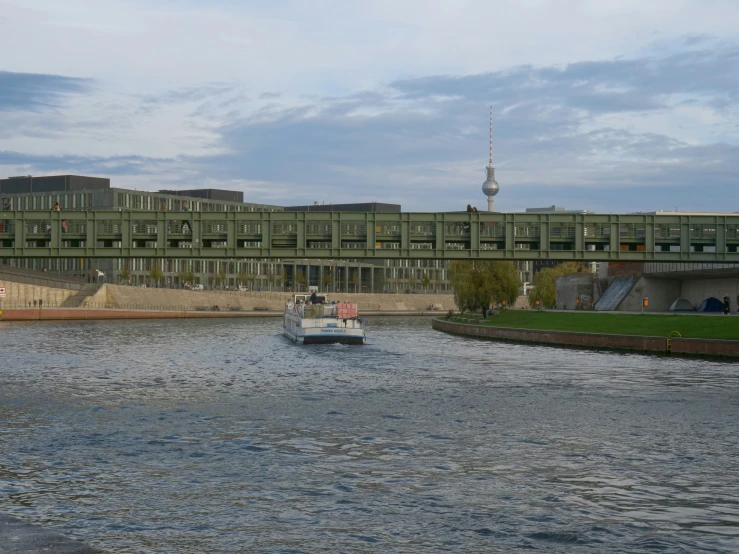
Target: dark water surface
{"x": 220, "y": 436}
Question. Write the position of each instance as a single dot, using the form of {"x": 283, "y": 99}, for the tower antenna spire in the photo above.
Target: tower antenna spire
{"x": 490, "y": 186}
{"x": 491, "y": 137}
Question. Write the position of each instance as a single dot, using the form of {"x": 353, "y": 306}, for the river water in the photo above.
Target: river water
{"x": 220, "y": 436}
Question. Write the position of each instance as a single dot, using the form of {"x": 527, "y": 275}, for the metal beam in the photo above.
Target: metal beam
{"x": 359, "y": 235}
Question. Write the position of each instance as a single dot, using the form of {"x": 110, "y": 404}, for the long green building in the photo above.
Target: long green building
{"x": 77, "y": 193}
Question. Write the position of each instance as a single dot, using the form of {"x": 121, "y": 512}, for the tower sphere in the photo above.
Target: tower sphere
{"x": 490, "y": 186}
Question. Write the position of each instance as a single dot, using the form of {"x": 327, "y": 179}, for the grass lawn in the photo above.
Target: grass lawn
{"x": 658, "y": 325}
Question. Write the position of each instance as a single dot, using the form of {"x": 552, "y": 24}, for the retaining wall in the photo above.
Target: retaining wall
{"x": 18, "y": 294}
{"x": 55, "y": 314}
{"x": 661, "y": 293}
{"x": 684, "y": 346}
{"x": 119, "y": 296}
{"x": 697, "y": 290}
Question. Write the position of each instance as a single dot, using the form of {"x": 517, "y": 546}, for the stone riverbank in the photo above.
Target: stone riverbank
{"x": 633, "y": 343}
{"x": 68, "y": 314}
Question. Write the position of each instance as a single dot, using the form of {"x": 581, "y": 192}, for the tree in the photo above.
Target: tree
{"x": 328, "y": 279}
{"x": 299, "y": 280}
{"x": 186, "y": 276}
{"x": 479, "y": 283}
{"x": 155, "y": 274}
{"x": 425, "y": 282}
{"x": 284, "y": 276}
{"x": 270, "y": 278}
{"x": 220, "y": 277}
{"x": 125, "y": 273}
{"x": 243, "y": 277}
{"x": 356, "y": 281}
{"x": 545, "y": 283}
{"x": 437, "y": 284}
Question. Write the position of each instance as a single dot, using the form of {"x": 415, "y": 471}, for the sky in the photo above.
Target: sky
{"x": 606, "y": 106}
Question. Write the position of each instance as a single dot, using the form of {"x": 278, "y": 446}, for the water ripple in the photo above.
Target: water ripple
{"x": 220, "y": 436}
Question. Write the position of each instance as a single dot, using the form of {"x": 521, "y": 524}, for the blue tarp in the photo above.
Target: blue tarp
{"x": 711, "y": 305}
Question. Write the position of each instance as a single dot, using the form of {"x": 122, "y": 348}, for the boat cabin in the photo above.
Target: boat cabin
{"x": 320, "y": 298}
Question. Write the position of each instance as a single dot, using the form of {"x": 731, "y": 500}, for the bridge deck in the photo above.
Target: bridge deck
{"x": 352, "y": 235}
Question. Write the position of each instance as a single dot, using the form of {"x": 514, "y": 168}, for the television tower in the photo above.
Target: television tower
{"x": 490, "y": 186}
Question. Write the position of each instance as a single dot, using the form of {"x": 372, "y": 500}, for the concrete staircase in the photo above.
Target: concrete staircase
{"x": 618, "y": 290}
{"x": 77, "y": 300}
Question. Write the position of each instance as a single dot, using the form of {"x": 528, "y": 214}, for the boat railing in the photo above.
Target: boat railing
{"x": 317, "y": 311}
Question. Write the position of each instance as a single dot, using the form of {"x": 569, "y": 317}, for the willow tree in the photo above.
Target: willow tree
{"x": 545, "y": 283}
{"x": 479, "y": 283}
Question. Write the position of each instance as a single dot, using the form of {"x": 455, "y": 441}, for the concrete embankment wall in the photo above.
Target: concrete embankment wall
{"x": 56, "y": 314}
{"x": 118, "y": 296}
{"x": 697, "y": 290}
{"x": 684, "y": 346}
{"x": 661, "y": 293}
{"x": 19, "y": 294}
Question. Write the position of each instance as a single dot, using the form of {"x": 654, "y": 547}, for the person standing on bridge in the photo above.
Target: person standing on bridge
{"x": 185, "y": 223}
{"x": 8, "y": 206}
{"x": 57, "y": 208}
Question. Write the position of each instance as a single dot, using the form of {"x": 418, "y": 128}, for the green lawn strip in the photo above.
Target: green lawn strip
{"x": 692, "y": 326}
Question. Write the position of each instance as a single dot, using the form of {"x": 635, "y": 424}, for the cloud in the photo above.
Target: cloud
{"x": 423, "y": 140}
{"x": 620, "y": 134}
{"x": 35, "y": 92}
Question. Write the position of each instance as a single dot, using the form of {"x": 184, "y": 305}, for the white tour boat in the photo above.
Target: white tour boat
{"x": 322, "y": 323}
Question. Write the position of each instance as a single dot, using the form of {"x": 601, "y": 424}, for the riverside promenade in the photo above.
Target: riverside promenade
{"x": 25, "y": 303}
{"x": 648, "y": 334}
{"x": 81, "y": 314}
